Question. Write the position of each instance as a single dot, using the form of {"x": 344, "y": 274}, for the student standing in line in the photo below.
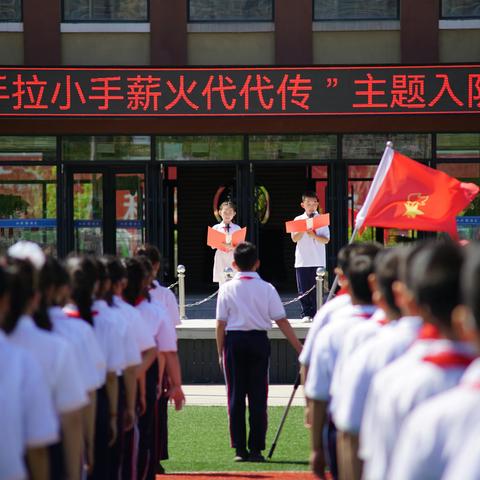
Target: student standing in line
{"x": 246, "y": 307}
{"x": 436, "y": 287}
{"x": 309, "y": 255}
{"x": 57, "y": 359}
{"x": 158, "y": 292}
{"x": 91, "y": 360}
{"x": 226, "y": 210}
{"x": 27, "y": 428}
{"x": 434, "y": 434}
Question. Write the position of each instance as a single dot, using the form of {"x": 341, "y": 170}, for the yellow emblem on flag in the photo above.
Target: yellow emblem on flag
{"x": 415, "y": 200}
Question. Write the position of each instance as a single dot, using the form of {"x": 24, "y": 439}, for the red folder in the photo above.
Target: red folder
{"x": 220, "y": 240}
{"x": 308, "y": 223}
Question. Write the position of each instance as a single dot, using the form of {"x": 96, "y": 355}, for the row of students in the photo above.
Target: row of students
{"x": 88, "y": 349}
{"x": 390, "y": 371}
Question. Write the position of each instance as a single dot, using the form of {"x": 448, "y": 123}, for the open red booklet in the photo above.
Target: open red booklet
{"x": 221, "y": 240}
{"x": 308, "y": 223}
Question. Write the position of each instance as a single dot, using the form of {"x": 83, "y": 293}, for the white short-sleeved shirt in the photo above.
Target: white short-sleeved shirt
{"x": 161, "y": 327}
{"x": 106, "y": 328}
{"x": 433, "y": 434}
{"x": 391, "y": 341}
{"x": 248, "y": 303}
{"x": 222, "y": 260}
{"x": 96, "y": 351}
{"x": 466, "y": 465}
{"x": 27, "y": 415}
{"x": 308, "y": 251}
{"x": 90, "y": 360}
{"x": 167, "y": 299}
{"x": 419, "y": 382}
{"x": 322, "y": 318}
{"x": 141, "y": 329}
{"x": 126, "y": 330}
{"x": 327, "y": 347}
{"x": 57, "y": 359}
{"x": 354, "y": 338}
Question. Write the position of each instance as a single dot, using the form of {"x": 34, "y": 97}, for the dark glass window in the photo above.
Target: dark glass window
{"x": 460, "y": 9}
{"x": 10, "y": 11}
{"x": 211, "y": 147}
{"x": 292, "y": 147}
{"x": 105, "y": 10}
{"x": 458, "y": 146}
{"x": 230, "y": 10}
{"x": 100, "y": 148}
{"x": 30, "y": 149}
{"x": 355, "y": 9}
{"x": 371, "y": 146}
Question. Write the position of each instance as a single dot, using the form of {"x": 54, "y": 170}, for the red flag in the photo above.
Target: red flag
{"x": 406, "y": 194}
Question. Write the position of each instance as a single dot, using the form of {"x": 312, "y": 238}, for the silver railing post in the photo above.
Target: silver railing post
{"x": 319, "y": 280}
{"x": 228, "y": 273}
{"x": 181, "y": 291}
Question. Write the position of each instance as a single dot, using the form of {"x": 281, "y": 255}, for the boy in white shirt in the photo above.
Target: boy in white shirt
{"x": 436, "y": 286}
{"x": 343, "y": 398}
{"x": 246, "y": 307}
{"x": 433, "y": 434}
{"x": 309, "y": 254}
{"x": 326, "y": 349}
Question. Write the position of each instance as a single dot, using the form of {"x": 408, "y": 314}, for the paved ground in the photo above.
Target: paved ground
{"x": 217, "y": 395}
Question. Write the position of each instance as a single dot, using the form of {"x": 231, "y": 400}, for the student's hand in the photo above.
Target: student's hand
{"x": 311, "y": 233}
{"x": 176, "y": 395}
{"x": 89, "y": 459}
{"x": 307, "y": 416}
{"x": 220, "y": 362}
{"x": 317, "y": 464}
{"x": 142, "y": 404}
{"x": 113, "y": 430}
{"x": 128, "y": 420}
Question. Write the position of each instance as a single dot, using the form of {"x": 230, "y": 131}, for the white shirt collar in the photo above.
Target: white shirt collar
{"x": 242, "y": 275}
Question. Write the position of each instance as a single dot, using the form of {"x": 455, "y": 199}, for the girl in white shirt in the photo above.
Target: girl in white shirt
{"x": 27, "y": 428}
{"x": 57, "y": 360}
{"x": 72, "y": 434}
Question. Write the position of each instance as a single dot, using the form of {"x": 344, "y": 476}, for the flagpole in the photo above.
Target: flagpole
{"x": 388, "y": 145}
{"x": 335, "y": 281}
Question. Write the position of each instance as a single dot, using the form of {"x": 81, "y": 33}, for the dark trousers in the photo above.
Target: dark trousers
{"x": 246, "y": 357}
{"x": 306, "y": 278}
{"x": 117, "y": 449}
{"x": 102, "y": 437}
{"x": 147, "y": 460}
{"x": 161, "y": 437}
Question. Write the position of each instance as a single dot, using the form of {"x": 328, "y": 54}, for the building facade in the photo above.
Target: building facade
{"x": 107, "y": 183}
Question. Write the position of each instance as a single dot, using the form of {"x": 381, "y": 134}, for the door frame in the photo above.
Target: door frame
{"x": 108, "y": 172}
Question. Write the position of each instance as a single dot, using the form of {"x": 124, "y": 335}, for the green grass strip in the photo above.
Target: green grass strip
{"x": 199, "y": 441}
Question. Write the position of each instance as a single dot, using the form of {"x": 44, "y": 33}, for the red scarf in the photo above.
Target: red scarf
{"x": 76, "y": 313}
{"x": 450, "y": 359}
{"x": 428, "y": 332}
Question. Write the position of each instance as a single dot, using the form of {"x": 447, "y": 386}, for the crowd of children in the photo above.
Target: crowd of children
{"x": 89, "y": 360}
{"x": 390, "y": 365}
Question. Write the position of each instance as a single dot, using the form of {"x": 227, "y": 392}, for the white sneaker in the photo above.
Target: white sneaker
{"x": 306, "y": 319}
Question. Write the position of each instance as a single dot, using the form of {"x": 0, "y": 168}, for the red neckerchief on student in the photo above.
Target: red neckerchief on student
{"x": 76, "y": 313}
{"x": 382, "y": 321}
{"x": 139, "y": 300}
{"x": 428, "y": 332}
{"x": 450, "y": 359}
{"x": 342, "y": 291}
{"x": 245, "y": 278}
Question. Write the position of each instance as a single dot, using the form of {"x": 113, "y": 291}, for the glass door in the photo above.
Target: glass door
{"x": 105, "y": 210}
